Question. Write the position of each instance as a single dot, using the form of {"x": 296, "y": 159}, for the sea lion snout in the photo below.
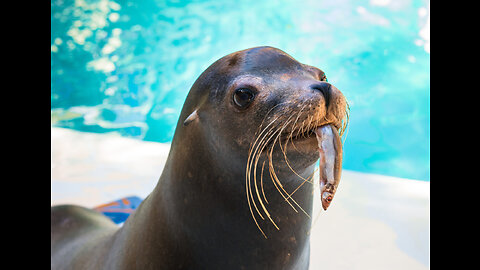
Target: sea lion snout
{"x": 316, "y": 102}
{"x": 316, "y": 91}
{"x": 324, "y": 88}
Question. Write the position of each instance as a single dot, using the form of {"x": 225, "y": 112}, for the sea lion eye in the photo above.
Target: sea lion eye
{"x": 243, "y": 97}
{"x": 324, "y": 78}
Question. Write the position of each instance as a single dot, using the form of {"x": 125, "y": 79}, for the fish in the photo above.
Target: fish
{"x": 330, "y": 164}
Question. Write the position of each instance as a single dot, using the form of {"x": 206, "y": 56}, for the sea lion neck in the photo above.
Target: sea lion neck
{"x": 210, "y": 223}
{"x": 208, "y": 216}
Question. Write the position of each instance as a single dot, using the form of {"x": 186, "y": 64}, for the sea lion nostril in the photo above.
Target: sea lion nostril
{"x": 325, "y": 89}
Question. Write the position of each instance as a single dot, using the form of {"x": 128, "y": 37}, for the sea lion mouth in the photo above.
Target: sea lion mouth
{"x": 301, "y": 135}
{"x": 330, "y": 156}
{"x": 329, "y": 147}
{"x": 310, "y": 133}
{"x": 304, "y": 135}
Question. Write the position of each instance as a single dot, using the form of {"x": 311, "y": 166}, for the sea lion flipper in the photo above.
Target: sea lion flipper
{"x": 191, "y": 118}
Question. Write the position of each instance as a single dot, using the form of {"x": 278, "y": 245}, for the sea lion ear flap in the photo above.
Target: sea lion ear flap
{"x": 193, "y": 116}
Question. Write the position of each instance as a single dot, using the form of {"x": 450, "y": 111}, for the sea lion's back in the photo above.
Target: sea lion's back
{"x": 75, "y": 231}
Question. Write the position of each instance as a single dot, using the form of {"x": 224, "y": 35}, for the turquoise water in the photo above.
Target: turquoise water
{"x": 127, "y": 66}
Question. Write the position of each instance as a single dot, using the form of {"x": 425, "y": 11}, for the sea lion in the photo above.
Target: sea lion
{"x": 236, "y": 191}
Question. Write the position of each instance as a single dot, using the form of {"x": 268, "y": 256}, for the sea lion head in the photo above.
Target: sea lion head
{"x": 264, "y": 89}
{"x": 257, "y": 110}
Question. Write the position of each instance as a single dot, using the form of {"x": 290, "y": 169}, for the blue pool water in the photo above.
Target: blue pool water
{"x": 127, "y": 66}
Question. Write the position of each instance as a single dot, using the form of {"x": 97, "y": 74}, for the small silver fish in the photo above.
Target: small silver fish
{"x": 330, "y": 148}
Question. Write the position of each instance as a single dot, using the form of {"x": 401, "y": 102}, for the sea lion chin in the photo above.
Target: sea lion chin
{"x": 236, "y": 190}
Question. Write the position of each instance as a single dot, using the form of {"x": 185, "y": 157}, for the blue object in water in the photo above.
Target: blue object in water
{"x": 119, "y": 210}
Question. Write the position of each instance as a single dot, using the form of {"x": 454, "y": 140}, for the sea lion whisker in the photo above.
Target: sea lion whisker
{"x": 257, "y": 156}
{"x": 254, "y": 219}
{"x": 276, "y": 178}
{"x": 252, "y": 157}
{"x": 305, "y": 180}
{"x": 310, "y": 124}
{"x": 345, "y": 122}
{"x": 288, "y": 163}
{"x": 285, "y": 154}
{"x": 252, "y": 148}
{"x": 250, "y": 207}
{"x": 266, "y": 115}
{"x": 261, "y": 183}
{"x": 253, "y": 201}
{"x": 270, "y": 153}
{"x": 272, "y": 173}
{"x": 261, "y": 203}
{"x": 293, "y": 126}
{"x": 248, "y": 177}
{"x": 256, "y": 153}
{"x": 272, "y": 176}
{"x": 258, "y": 137}
{"x": 247, "y": 180}
{"x": 307, "y": 127}
{"x": 265, "y": 141}
{"x": 261, "y": 145}
{"x": 256, "y": 147}
{"x": 300, "y": 130}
